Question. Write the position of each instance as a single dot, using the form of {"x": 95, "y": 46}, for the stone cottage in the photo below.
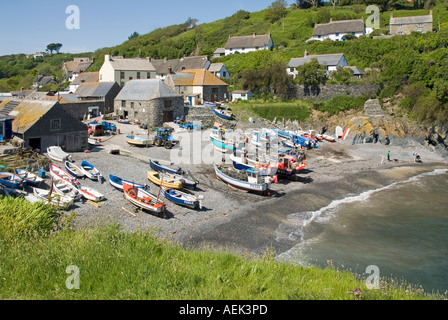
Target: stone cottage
{"x": 41, "y": 124}
{"x": 149, "y": 102}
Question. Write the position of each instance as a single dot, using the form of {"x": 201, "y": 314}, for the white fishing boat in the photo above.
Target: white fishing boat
{"x": 64, "y": 188}
{"x": 90, "y": 194}
{"x": 138, "y": 141}
{"x": 58, "y": 174}
{"x": 56, "y": 200}
{"x": 74, "y": 170}
{"x": 29, "y": 177}
{"x": 57, "y": 154}
{"x": 90, "y": 171}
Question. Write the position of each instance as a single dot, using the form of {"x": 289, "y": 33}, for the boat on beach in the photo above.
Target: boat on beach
{"x": 58, "y": 174}
{"x": 90, "y": 193}
{"x": 219, "y": 141}
{"x": 138, "y": 141}
{"x": 225, "y": 114}
{"x": 175, "y": 174}
{"x": 29, "y": 177}
{"x": 57, "y": 154}
{"x": 117, "y": 183}
{"x": 182, "y": 198}
{"x": 73, "y": 169}
{"x": 164, "y": 180}
{"x": 90, "y": 171}
{"x": 64, "y": 188}
{"x": 54, "y": 199}
{"x": 245, "y": 180}
{"x": 156, "y": 166}
{"x": 11, "y": 180}
{"x": 94, "y": 142}
{"x": 144, "y": 200}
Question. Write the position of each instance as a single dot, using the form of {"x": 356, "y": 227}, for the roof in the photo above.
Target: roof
{"x": 182, "y": 78}
{"x": 162, "y": 65}
{"x": 248, "y": 41}
{"x": 25, "y": 112}
{"x": 196, "y": 62}
{"x": 356, "y": 70}
{"x": 204, "y": 77}
{"x": 216, "y": 67}
{"x": 44, "y": 80}
{"x": 325, "y": 59}
{"x": 411, "y": 20}
{"x": 146, "y": 89}
{"x": 220, "y": 50}
{"x": 77, "y": 67}
{"x": 342, "y": 26}
{"x": 136, "y": 64}
{"x": 86, "y": 77}
{"x": 241, "y": 91}
{"x": 94, "y": 89}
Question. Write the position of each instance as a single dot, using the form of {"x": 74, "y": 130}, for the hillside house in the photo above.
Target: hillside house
{"x": 219, "y": 70}
{"x": 85, "y": 77}
{"x": 149, "y": 102}
{"x": 41, "y": 124}
{"x": 42, "y": 80}
{"x": 245, "y": 44}
{"x": 219, "y": 52}
{"x": 406, "y": 25}
{"x": 330, "y": 61}
{"x": 197, "y": 85}
{"x": 119, "y": 70}
{"x": 74, "y": 68}
{"x": 336, "y": 30}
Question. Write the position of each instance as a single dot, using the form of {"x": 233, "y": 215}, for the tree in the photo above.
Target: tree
{"x": 311, "y": 74}
{"x": 191, "y": 22}
{"x": 134, "y": 35}
{"x": 57, "y": 47}
{"x": 276, "y": 10}
{"x": 51, "y": 47}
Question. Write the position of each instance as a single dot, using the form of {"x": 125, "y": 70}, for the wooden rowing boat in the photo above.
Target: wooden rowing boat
{"x": 164, "y": 180}
{"x": 58, "y": 174}
{"x": 117, "y": 183}
{"x": 144, "y": 199}
{"x": 57, "y": 154}
{"x": 181, "y": 198}
{"x": 73, "y": 169}
{"x": 90, "y": 194}
{"x": 138, "y": 141}
{"x": 90, "y": 171}
{"x": 54, "y": 199}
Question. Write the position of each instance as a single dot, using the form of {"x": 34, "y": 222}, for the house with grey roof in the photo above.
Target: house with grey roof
{"x": 357, "y": 73}
{"x": 119, "y": 70}
{"x": 74, "y": 68}
{"x": 406, "y": 25}
{"x": 168, "y": 66}
{"x": 149, "y": 102}
{"x": 330, "y": 61}
{"x": 219, "y": 52}
{"x": 42, "y": 80}
{"x": 85, "y": 77}
{"x": 219, "y": 70}
{"x": 245, "y": 44}
{"x": 336, "y": 30}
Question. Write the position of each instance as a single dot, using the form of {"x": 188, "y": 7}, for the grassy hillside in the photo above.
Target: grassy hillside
{"x": 114, "y": 264}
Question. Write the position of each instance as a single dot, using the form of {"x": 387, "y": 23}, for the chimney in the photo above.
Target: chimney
{"x": 165, "y": 59}
{"x": 306, "y": 53}
{"x": 254, "y": 34}
{"x": 107, "y": 57}
{"x": 148, "y": 58}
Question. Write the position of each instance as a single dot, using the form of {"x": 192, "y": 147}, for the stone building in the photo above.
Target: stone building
{"x": 406, "y": 25}
{"x": 149, "y": 102}
{"x": 41, "y": 124}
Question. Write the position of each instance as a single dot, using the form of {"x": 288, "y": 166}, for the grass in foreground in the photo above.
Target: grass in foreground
{"x": 120, "y": 265}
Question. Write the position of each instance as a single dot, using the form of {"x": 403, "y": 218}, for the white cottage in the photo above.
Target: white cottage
{"x": 245, "y": 44}
{"x": 330, "y": 61}
{"x": 336, "y": 30}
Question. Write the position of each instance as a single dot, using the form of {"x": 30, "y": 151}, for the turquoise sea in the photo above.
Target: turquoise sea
{"x": 402, "y": 229}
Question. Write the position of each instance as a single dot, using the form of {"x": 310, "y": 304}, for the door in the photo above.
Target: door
{"x": 34, "y": 143}
{"x": 168, "y": 116}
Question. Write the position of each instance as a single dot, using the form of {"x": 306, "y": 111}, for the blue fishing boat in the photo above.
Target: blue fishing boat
{"x": 29, "y": 177}
{"x": 209, "y": 104}
{"x": 160, "y": 168}
{"x": 90, "y": 171}
{"x": 117, "y": 183}
{"x": 181, "y": 198}
{"x": 11, "y": 180}
{"x": 225, "y": 114}
{"x": 73, "y": 169}
{"x": 219, "y": 141}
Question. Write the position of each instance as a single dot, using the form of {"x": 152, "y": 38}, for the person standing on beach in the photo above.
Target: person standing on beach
{"x": 388, "y": 155}
{"x": 382, "y": 160}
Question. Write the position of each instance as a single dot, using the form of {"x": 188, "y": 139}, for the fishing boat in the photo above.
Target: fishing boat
{"x": 245, "y": 180}
{"x": 225, "y": 114}
{"x": 29, "y": 177}
{"x": 164, "y": 179}
{"x": 329, "y": 138}
{"x": 57, "y": 154}
{"x": 182, "y": 198}
{"x": 124, "y": 121}
{"x": 90, "y": 171}
{"x": 94, "y": 142}
{"x": 73, "y": 169}
{"x": 56, "y": 200}
{"x": 175, "y": 174}
{"x": 144, "y": 199}
{"x": 11, "y": 180}
{"x": 117, "y": 183}
{"x": 219, "y": 141}
{"x": 210, "y": 104}
{"x": 58, "y": 174}
{"x": 156, "y": 166}
{"x": 90, "y": 194}
{"x": 138, "y": 141}
{"x": 64, "y": 188}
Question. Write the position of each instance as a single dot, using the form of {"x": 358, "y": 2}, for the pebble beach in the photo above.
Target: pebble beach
{"x": 240, "y": 222}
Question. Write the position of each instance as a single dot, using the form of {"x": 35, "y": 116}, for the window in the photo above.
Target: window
{"x": 400, "y": 33}
{"x": 148, "y": 75}
{"x": 167, "y": 104}
{"x": 224, "y": 74}
{"x": 123, "y": 103}
{"x": 138, "y": 75}
{"x": 400, "y": 26}
{"x": 256, "y": 48}
{"x": 337, "y": 34}
{"x": 132, "y": 105}
{"x": 420, "y": 25}
{"x": 122, "y": 75}
{"x": 55, "y": 124}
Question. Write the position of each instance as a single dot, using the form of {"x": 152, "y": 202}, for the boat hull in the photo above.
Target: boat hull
{"x": 117, "y": 183}
{"x": 90, "y": 194}
{"x": 143, "y": 199}
{"x": 221, "y": 115}
{"x": 59, "y": 174}
{"x": 74, "y": 170}
{"x": 90, "y": 171}
{"x": 11, "y": 180}
{"x": 57, "y": 154}
{"x": 155, "y": 177}
{"x": 181, "y": 198}
{"x": 240, "y": 184}
{"x": 137, "y": 141}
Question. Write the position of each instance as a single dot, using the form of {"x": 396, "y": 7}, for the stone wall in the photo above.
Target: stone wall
{"x": 329, "y": 91}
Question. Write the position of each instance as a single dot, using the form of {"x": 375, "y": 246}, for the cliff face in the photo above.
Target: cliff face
{"x": 375, "y": 125}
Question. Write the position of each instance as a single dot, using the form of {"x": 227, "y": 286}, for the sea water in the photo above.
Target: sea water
{"x": 402, "y": 229}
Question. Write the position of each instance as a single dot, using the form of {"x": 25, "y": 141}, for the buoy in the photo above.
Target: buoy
{"x": 87, "y": 151}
